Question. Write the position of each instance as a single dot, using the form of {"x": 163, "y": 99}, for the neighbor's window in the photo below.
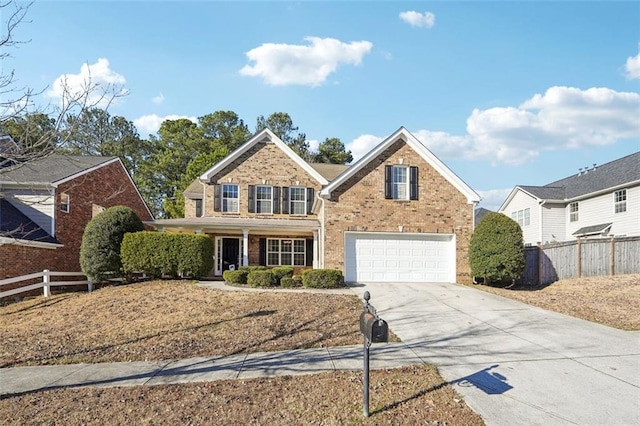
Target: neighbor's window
{"x": 290, "y": 252}
{"x": 620, "y": 201}
{"x": 230, "y": 197}
{"x": 198, "y": 208}
{"x": 64, "y": 202}
{"x": 400, "y": 183}
{"x": 523, "y": 217}
{"x": 264, "y": 200}
{"x": 298, "y": 200}
{"x": 573, "y": 212}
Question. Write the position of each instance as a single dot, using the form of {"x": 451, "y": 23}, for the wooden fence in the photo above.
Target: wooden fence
{"x": 581, "y": 258}
{"x": 46, "y": 282}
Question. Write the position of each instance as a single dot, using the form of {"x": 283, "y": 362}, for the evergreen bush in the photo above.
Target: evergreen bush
{"x": 322, "y": 278}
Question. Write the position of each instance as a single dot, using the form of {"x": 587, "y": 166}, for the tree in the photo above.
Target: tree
{"x": 281, "y": 124}
{"x": 101, "y": 241}
{"x": 225, "y": 127}
{"x": 332, "y": 150}
{"x": 496, "y": 252}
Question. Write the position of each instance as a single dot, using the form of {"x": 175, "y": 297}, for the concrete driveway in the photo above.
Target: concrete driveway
{"x": 516, "y": 364}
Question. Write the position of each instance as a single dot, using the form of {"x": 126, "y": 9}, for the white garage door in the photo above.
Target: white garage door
{"x": 398, "y": 257}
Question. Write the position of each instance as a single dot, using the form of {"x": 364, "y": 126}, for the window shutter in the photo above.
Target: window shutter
{"x": 388, "y": 182}
{"x": 276, "y": 199}
{"x": 263, "y": 251}
{"x": 309, "y": 250}
{"x": 251, "y": 208}
{"x": 413, "y": 180}
{"x": 309, "y": 200}
{"x": 285, "y": 200}
{"x": 217, "y": 198}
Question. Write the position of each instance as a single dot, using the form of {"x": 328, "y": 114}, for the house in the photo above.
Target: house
{"x": 398, "y": 214}
{"x": 595, "y": 202}
{"x": 46, "y": 203}
{"x": 479, "y": 214}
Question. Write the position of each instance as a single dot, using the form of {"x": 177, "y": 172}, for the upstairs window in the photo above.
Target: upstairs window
{"x": 65, "y": 202}
{"x": 230, "y": 198}
{"x": 264, "y": 199}
{"x": 523, "y": 217}
{"x": 573, "y": 212}
{"x": 297, "y": 200}
{"x": 620, "y": 201}
{"x": 198, "y": 208}
{"x": 401, "y": 183}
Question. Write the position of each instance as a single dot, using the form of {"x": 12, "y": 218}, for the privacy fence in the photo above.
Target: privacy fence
{"x": 581, "y": 258}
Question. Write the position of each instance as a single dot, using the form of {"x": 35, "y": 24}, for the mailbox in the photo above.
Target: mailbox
{"x": 374, "y": 328}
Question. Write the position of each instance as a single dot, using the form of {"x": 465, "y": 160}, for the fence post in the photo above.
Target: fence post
{"x": 612, "y": 257}
{"x": 579, "y": 259}
{"x": 46, "y": 279}
{"x": 539, "y": 252}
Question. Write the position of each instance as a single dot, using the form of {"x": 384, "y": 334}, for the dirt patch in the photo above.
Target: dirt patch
{"x": 412, "y": 395}
{"x": 171, "y": 319}
{"x": 609, "y": 300}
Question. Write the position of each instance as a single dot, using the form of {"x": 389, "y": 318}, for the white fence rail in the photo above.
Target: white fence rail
{"x": 45, "y": 284}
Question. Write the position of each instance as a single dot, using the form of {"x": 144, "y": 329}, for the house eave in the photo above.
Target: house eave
{"x": 28, "y": 243}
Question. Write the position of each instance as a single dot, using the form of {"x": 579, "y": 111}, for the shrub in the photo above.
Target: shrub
{"x": 252, "y": 268}
{"x": 280, "y": 272}
{"x": 260, "y": 278}
{"x": 322, "y": 278}
{"x": 496, "y": 252}
{"x": 101, "y": 241}
{"x": 158, "y": 253}
{"x": 235, "y": 277}
{"x": 289, "y": 282}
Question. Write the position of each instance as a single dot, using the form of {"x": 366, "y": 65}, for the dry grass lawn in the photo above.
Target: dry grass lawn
{"x": 609, "y": 300}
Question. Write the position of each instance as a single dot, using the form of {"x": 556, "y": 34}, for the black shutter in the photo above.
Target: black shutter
{"x": 388, "y": 182}
{"x": 413, "y": 181}
{"x": 285, "y": 200}
{"x": 276, "y": 199}
{"x": 309, "y": 200}
{"x": 263, "y": 251}
{"x": 310, "y": 252}
{"x": 216, "y": 198}
{"x": 251, "y": 208}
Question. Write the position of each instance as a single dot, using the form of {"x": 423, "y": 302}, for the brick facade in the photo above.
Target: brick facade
{"x": 360, "y": 205}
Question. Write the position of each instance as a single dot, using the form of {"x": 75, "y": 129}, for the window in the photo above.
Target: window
{"x": 198, "y": 208}
{"x": 620, "y": 201}
{"x": 400, "y": 183}
{"x": 288, "y": 252}
{"x": 264, "y": 200}
{"x": 573, "y": 212}
{"x": 64, "y": 202}
{"x": 230, "y": 203}
{"x": 298, "y": 200}
{"x": 523, "y": 217}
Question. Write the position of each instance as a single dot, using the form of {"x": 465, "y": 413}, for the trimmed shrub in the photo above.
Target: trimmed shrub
{"x": 252, "y": 268}
{"x": 262, "y": 278}
{"x": 496, "y": 252}
{"x": 322, "y": 278}
{"x": 100, "y": 249}
{"x": 235, "y": 277}
{"x": 280, "y": 272}
{"x": 161, "y": 253}
{"x": 289, "y": 282}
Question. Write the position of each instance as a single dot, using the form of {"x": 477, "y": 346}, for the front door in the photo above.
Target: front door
{"x": 230, "y": 253}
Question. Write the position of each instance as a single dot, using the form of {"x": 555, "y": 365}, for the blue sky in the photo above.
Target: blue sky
{"x": 505, "y": 93}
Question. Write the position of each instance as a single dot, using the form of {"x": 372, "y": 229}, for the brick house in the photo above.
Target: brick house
{"x": 45, "y": 205}
{"x": 398, "y": 214}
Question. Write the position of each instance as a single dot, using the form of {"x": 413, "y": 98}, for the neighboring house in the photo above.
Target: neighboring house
{"x": 479, "y": 213}
{"x": 396, "y": 215}
{"x": 45, "y": 205}
{"x": 595, "y": 202}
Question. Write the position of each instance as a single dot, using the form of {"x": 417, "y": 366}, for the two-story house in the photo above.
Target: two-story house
{"x": 597, "y": 201}
{"x": 396, "y": 215}
{"x": 46, "y": 203}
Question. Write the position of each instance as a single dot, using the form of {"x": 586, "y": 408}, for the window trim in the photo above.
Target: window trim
{"x": 522, "y": 217}
{"x": 223, "y": 198}
{"x": 396, "y": 185}
{"x": 269, "y": 199}
{"x": 620, "y": 201}
{"x": 574, "y": 211}
{"x": 293, "y": 252}
{"x": 65, "y": 207}
{"x": 298, "y": 202}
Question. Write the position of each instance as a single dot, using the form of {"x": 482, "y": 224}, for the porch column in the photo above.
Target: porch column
{"x": 316, "y": 252}
{"x": 245, "y": 247}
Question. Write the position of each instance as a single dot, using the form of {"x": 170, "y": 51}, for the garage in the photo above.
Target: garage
{"x": 399, "y": 257}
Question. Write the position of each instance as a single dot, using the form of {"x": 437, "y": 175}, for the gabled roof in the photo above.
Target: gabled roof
{"x": 265, "y": 135}
{"x": 615, "y": 174}
{"x": 328, "y": 170}
{"x": 479, "y": 213}
{"x": 418, "y": 147}
{"x": 16, "y": 225}
{"x": 52, "y": 169}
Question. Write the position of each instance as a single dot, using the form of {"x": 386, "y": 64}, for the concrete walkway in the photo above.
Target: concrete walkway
{"x": 516, "y": 364}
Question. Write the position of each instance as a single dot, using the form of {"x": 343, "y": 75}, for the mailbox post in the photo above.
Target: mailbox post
{"x": 374, "y": 330}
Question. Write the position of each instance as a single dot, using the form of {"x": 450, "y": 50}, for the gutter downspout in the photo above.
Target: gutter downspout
{"x": 204, "y": 195}
{"x": 321, "y": 235}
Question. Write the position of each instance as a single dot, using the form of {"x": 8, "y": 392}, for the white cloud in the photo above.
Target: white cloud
{"x": 158, "y": 99}
{"x": 314, "y": 144}
{"x": 361, "y": 145}
{"x": 97, "y": 82}
{"x": 417, "y": 19}
{"x": 149, "y": 124}
{"x": 632, "y": 67}
{"x": 492, "y": 199}
{"x": 310, "y": 65}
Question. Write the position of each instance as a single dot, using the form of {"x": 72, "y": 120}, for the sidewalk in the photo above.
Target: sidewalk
{"x": 243, "y": 366}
